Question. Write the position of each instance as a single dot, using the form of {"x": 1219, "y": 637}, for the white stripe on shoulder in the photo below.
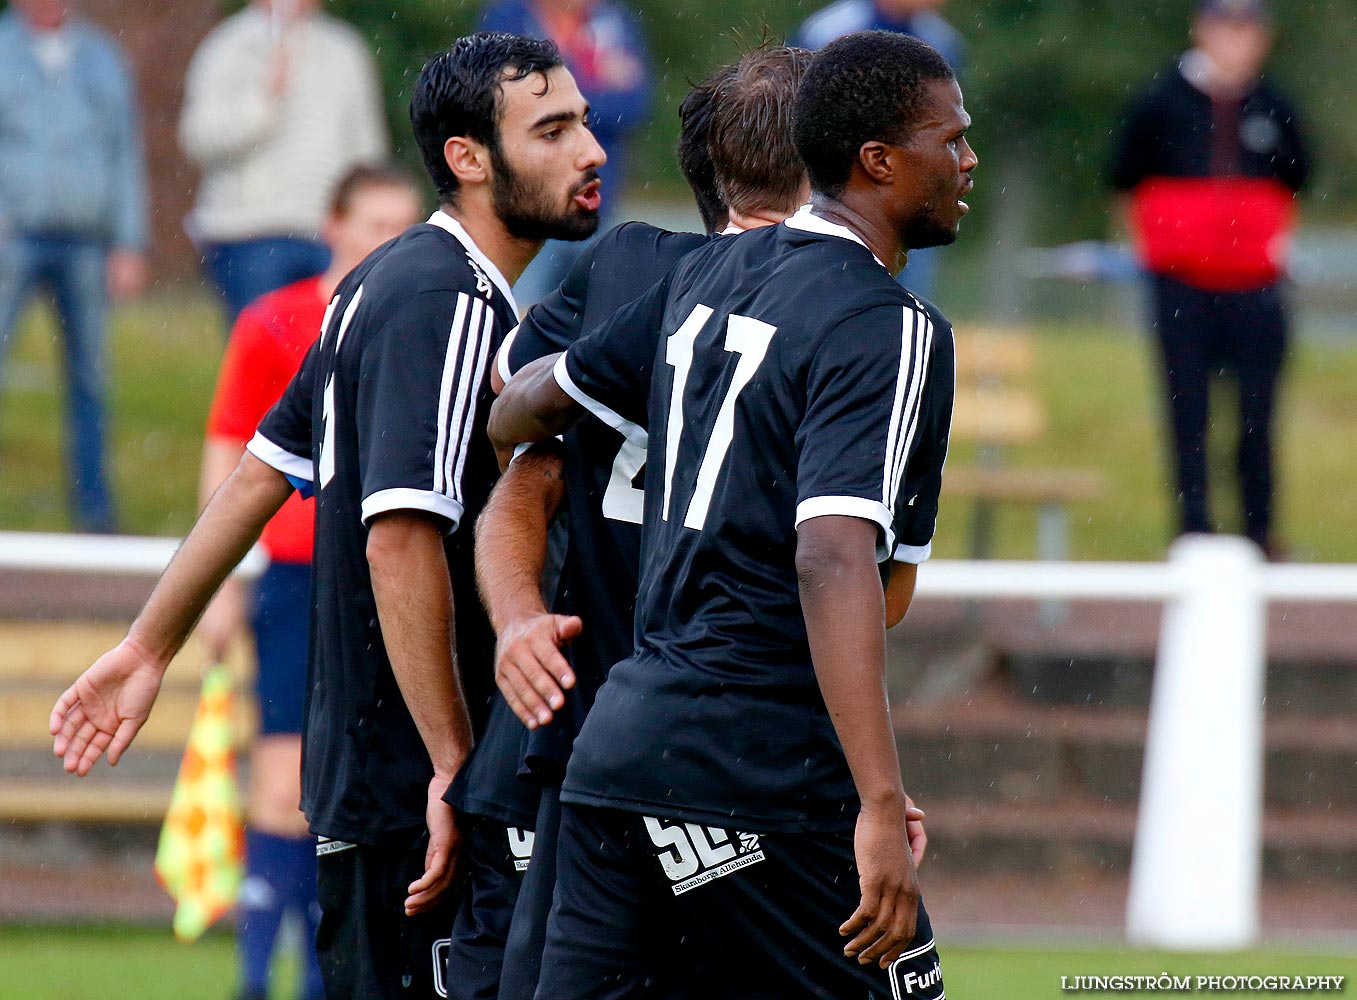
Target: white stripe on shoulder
{"x": 348, "y": 317}
{"x": 916, "y": 341}
{"x": 467, "y": 386}
{"x": 619, "y": 423}
{"x": 482, "y": 356}
{"x": 280, "y": 458}
{"x": 325, "y": 322}
{"x": 456, "y": 334}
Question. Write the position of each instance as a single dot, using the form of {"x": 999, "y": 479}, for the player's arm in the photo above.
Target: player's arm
{"x": 532, "y": 407}
{"x": 851, "y": 471}
{"x": 408, "y": 413}
{"x": 836, "y": 566}
{"x": 107, "y": 705}
{"x": 251, "y": 380}
{"x": 900, "y": 591}
{"x": 511, "y": 551}
{"x": 607, "y": 372}
{"x": 413, "y": 592}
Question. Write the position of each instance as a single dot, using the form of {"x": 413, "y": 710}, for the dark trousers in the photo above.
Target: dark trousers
{"x": 1202, "y": 334}
{"x": 75, "y": 271}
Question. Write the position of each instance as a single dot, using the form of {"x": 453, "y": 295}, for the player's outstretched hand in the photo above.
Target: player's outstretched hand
{"x": 883, "y": 924}
{"x": 914, "y": 828}
{"x": 104, "y": 708}
{"x": 440, "y": 860}
{"x": 529, "y": 668}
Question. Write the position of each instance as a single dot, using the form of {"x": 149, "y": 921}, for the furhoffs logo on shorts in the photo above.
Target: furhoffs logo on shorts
{"x": 693, "y": 855}
{"x": 917, "y": 974}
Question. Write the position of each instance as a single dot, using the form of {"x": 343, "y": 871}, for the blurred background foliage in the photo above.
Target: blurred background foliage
{"x": 1045, "y": 81}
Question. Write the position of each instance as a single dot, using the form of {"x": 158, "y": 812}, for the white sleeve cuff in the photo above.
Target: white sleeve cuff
{"x": 502, "y": 355}
{"x": 527, "y": 446}
{"x": 609, "y": 416}
{"x": 913, "y": 553}
{"x": 280, "y": 458}
{"x": 869, "y": 510}
{"x": 403, "y": 498}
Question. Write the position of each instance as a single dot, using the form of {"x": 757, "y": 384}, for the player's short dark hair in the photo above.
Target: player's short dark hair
{"x": 756, "y": 163}
{"x": 367, "y": 175}
{"x": 458, "y": 93}
{"x": 694, "y": 152}
{"x": 862, "y": 87}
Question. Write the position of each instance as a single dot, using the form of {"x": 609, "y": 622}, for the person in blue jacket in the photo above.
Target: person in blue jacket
{"x": 605, "y": 51}
{"x": 72, "y": 209}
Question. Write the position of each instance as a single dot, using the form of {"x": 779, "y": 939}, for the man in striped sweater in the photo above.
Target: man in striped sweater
{"x": 268, "y": 93}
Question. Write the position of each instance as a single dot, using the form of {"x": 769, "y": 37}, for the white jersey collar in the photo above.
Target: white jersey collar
{"x": 446, "y": 222}
{"x": 807, "y": 221}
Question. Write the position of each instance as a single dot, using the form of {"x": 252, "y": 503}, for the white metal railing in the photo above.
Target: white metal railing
{"x": 1197, "y": 853}
{"x": 116, "y": 554}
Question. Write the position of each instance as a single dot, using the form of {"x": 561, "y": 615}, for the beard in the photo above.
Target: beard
{"x": 926, "y": 231}
{"x": 530, "y": 212}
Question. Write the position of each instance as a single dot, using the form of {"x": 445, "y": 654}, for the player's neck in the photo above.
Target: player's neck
{"x": 756, "y": 219}
{"x": 865, "y": 219}
{"x": 511, "y": 254}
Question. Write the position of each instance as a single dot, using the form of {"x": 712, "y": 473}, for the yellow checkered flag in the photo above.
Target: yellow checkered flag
{"x": 200, "y": 857}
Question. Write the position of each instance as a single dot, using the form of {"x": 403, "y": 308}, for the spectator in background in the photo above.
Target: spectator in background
{"x": 369, "y": 206}
{"x": 605, "y": 51}
{"x": 280, "y": 101}
{"x": 72, "y": 210}
{"x": 1213, "y": 156}
{"x": 921, "y": 19}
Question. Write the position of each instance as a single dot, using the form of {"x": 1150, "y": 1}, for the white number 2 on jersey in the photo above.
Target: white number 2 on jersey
{"x": 745, "y": 336}
{"x": 621, "y": 500}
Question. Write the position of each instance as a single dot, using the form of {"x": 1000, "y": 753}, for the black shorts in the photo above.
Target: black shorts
{"x": 528, "y": 931}
{"x": 367, "y": 947}
{"x": 646, "y": 906}
{"x": 494, "y": 858}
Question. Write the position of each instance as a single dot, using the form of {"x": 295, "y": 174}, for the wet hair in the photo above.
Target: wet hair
{"x": 458, "y": 94}
{"x": 694, "y": 152}
{"x": 363, "y": 176}
{"x": 756, "y": 162}
{"x": 870, "y": 85}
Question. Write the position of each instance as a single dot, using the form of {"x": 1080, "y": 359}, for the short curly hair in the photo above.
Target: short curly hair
{"x": 864, "y": 86}
{"x": 458, "y": 93}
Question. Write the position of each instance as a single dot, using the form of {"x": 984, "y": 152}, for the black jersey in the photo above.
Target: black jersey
{"x": 388, "y": 413}
{"x": 787, "y": 377}
{"x": 603, "y": 470}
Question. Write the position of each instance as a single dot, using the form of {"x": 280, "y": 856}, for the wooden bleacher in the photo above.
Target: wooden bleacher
{"x": 997, "y": 409}
{"x": 38, "y": 660}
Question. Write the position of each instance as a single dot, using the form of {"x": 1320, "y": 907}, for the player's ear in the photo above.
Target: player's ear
{"x": 468, "y": 160}
{"x": 877, "y": 160}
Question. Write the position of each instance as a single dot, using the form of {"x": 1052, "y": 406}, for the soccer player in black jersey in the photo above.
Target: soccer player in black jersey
{"x": 733, "y": 817}
{"x": 385, "y": 422}
{"x": 752, "y": 158}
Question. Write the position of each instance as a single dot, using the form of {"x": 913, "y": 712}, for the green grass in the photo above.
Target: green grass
{"x": 112, "y": 963}
{"x": 1099, "y": 386}
{"x": 163, "y": 364}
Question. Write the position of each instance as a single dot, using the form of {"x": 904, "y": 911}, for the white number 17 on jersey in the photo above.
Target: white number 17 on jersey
{"x": 745, "y": 336}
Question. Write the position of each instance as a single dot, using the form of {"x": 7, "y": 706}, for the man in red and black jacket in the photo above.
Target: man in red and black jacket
{"x": 1212, "y": 156}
